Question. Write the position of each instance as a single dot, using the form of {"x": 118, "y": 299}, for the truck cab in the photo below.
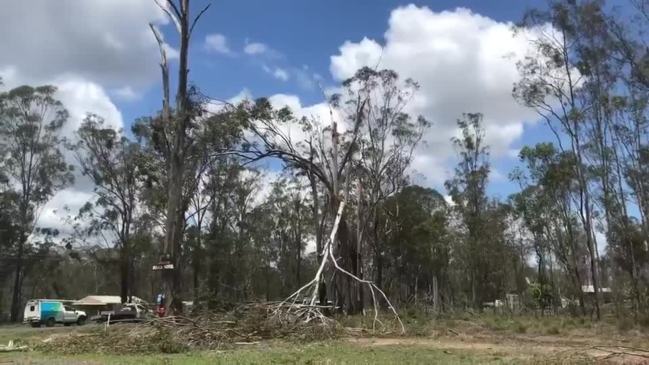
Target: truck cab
{"x": 50, "y": 312}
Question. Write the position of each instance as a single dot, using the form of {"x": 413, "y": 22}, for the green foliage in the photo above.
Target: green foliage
{"x": 31, "y": 159}
{"x": 521, "y": 328}
{"x": 553, "y": 330}
{"x": 420, "y": 236}
{"x": 29, "y": 124}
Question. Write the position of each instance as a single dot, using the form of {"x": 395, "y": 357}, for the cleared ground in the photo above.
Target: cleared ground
{"x": 482, "y": 340}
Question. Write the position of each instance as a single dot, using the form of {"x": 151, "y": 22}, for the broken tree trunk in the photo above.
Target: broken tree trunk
{"x": 310, "y": 310}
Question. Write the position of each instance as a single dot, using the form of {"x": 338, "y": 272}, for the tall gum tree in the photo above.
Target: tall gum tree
{"x": 110, "y": 161}
{"x": 173, "y": 129}
{"x": 30, "y": 121}
{"x": 552, "y": 83}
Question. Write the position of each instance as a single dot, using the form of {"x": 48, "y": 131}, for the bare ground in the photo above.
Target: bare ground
{"x": 525, "y": 348}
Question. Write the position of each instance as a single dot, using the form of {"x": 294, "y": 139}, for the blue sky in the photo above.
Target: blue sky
{"x": 304, "y": 32}
{"x": 303, "y": 36}
{"x": 103, "y": 58}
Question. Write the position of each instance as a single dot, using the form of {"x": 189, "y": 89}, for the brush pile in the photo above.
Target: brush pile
{"x": 245, "y": 324}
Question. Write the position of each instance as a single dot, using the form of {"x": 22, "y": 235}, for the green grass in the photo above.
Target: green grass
{"x": 22, "y": 332}
{"x": 330, "y": 353}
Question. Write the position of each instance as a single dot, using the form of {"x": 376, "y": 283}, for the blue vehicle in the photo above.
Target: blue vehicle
{"x": 50, "y": 312}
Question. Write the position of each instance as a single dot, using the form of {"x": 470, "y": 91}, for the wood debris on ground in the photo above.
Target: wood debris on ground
{"x": 245, "y": 324}
{"x": 11, "y": 347}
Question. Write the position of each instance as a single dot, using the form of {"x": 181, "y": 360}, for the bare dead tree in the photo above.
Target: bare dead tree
{"x": 174, "y": 128}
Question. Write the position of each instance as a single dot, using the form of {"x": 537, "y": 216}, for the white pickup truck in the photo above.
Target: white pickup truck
{"x": 50, "y": 312}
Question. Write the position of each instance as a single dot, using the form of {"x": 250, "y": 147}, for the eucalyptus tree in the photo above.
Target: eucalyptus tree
{"x": 387, "y": 140}
{"x": 417, "y": 246}
{"x": 545, "y": 203}
{"x": 551, "y": 83}
{"x": 172, "y": 131}
{"x": 628, "y": 105}
{"x": 335, "y": 159}
{"x": 30, "y": 145}
{"x": 468, "y": 191}
{"x": 111, "y": 162}
{"x": 289, "y": 209}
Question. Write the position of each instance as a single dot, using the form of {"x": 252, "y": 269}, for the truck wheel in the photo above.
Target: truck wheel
{"x": 81, "y": 321}
{"x": 36, "y": 324}
{"x": 50, "y": 322}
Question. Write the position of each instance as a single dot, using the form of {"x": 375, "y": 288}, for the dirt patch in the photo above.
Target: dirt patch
{"x": 523, "y": 347}
{"x": 493, "y": 347}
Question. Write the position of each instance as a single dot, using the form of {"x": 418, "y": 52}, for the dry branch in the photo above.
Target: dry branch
{"x": 308, "y": 312}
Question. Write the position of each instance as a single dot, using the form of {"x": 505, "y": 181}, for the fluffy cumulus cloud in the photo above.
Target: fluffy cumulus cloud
{"x": 217, "y": 43}
{"x": 84, "y": 49}
{"x": 107, "y": 41}
{"x": 463, "y": 61}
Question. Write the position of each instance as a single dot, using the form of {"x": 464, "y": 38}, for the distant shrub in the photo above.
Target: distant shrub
{"x": 520, "y": 327}
{"x": 568, "y": 323}
{"x": 624, "y": 324}
{"x": 553, "y": 330}
{"x": 643, "y": 321}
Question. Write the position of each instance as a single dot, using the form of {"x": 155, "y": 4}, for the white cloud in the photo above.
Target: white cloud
{"x": 127, "y": 93}
{"x": 277, "y": 72}
{"x": 255, "y": 48}
{"x": 280, "y": 74}
{"x": 354, "y": 56}
{"x": 463, "y": 61}
{"x": 285, "y": 100}
{"x": 81, "y": 97}
{"x": 244, "y": 94}
{"x": 217, "y": 43}
{"x": 64, "y": 203}
{"x": 106, "y": 41}
{"x": 172, "y": 53}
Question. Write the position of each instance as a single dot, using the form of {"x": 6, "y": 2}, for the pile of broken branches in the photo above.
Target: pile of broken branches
{"x": 245, "y": 324}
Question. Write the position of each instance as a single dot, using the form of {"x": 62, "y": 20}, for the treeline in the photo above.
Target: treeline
{"x": 185, "y": 187}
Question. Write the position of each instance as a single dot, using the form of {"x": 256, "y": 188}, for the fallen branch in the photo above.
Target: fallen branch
{"x": 11, "y": 347}
{"x": 311, "y": 311}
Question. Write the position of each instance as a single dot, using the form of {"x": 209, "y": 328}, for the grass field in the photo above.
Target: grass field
{"x": 460, "y": 340}
{"x": 332, "y": 352}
